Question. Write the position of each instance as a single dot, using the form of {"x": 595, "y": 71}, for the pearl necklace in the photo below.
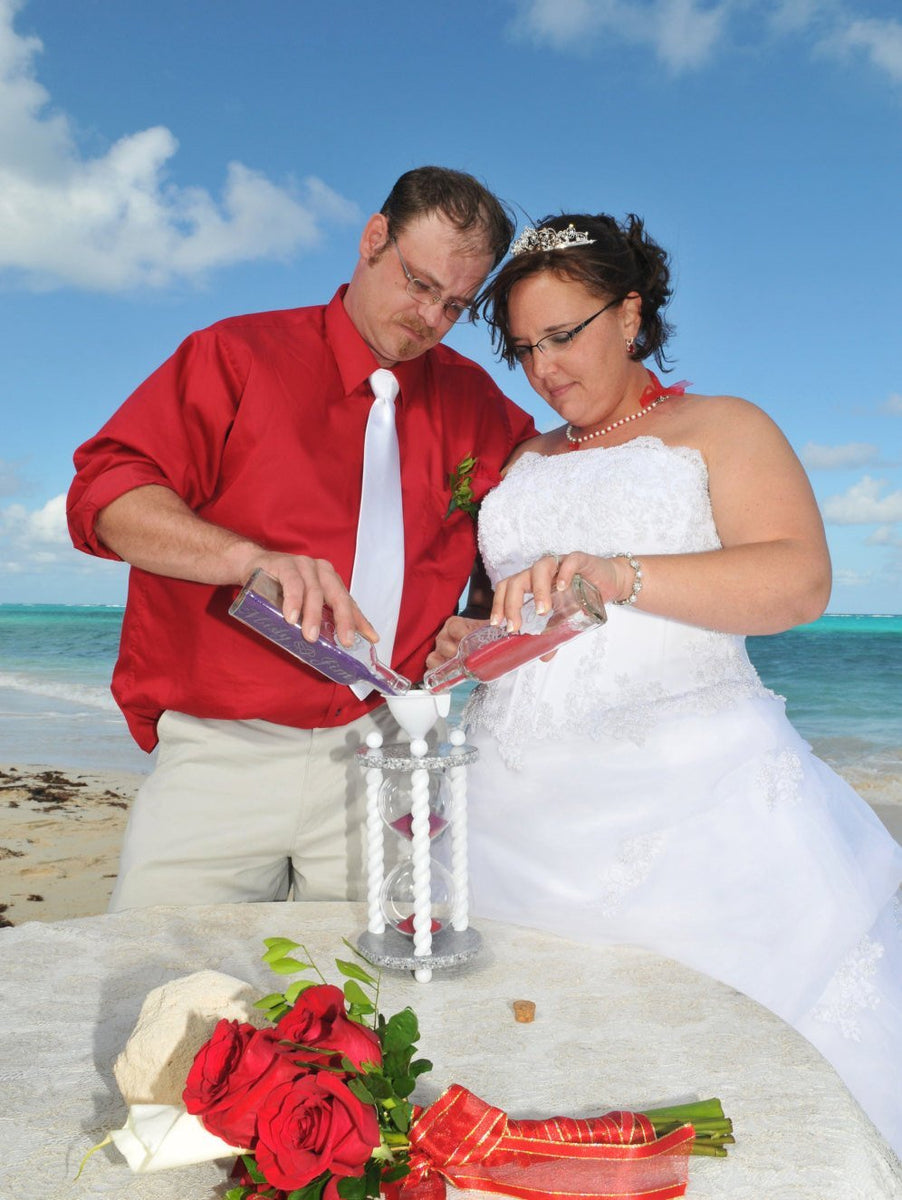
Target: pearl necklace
{"x": 587, "y": 437}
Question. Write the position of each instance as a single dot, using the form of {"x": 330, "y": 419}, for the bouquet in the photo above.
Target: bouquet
{"x": 316, "y": 1105}
{"x": 320, "y": 1103}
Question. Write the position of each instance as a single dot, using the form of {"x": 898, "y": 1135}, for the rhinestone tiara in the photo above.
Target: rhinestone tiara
{"x": 550, "y": 239}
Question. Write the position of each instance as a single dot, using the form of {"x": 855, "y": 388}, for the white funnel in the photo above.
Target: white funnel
{"x": 418, "y": 711}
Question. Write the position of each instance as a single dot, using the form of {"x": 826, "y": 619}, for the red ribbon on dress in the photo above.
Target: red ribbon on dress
{"x": 463, "y": 1141}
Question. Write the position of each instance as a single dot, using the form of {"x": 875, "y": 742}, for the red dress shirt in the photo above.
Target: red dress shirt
{"x": 258, "y": 424}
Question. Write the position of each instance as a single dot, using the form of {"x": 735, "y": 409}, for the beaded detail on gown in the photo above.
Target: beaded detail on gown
{"x": 645, "y": 787}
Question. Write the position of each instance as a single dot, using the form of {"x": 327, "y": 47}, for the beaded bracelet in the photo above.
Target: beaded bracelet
{"x": 637, "y": 578}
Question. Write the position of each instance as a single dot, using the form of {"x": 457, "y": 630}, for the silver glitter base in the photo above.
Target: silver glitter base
{"x": 393, "y": 950}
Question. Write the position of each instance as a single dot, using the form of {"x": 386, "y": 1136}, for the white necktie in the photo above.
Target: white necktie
{"x": 378, "y": 575}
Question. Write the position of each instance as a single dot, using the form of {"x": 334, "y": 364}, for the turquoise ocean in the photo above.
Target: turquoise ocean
{"x": 841, "y": 676}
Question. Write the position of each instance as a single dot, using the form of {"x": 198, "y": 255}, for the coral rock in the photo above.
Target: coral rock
{"x": 175, "y": 1021}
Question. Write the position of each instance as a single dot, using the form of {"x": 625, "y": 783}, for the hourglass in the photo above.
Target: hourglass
{"x": 417, "y": 915}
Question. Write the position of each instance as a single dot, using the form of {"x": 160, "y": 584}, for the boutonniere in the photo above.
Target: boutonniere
{"x": 460, "y": 481}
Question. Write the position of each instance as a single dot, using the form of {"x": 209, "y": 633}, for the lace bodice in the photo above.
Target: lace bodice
{"x": 644, "y": 497}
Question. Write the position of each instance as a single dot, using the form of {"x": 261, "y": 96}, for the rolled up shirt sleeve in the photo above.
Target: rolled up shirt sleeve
{"x": 172, "y": 431}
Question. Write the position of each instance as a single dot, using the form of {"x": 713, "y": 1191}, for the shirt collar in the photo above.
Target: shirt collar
{"x": 356, "y": 361}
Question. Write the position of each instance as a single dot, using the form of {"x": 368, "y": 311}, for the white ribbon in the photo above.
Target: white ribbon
{"x": 378, "y": 576}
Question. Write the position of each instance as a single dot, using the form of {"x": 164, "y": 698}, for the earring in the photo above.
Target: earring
{"x": 631, "y": 347}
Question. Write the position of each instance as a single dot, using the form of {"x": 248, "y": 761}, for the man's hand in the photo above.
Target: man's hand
{"x": 308, "y": 584}
{"x": 449, "y": 638}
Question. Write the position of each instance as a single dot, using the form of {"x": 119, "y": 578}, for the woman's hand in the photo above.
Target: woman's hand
{"x": 772, "y": 569}
{"x": 613, "y": 577}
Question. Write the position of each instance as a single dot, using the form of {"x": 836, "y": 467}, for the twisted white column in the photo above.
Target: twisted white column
{"x": 375, "y": 841}
{"x": 457, "y": 780}
{"x": 420, "y": 858}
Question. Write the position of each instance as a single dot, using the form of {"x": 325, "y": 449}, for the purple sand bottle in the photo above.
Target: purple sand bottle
{"x": 491, "y": 651}
{"x": 259, "y": 605}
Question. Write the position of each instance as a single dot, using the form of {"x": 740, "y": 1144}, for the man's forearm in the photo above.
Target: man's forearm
{"x": 151, "y": 527}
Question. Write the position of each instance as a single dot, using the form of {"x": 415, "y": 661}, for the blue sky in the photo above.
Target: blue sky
{"x": 164, "y": 165}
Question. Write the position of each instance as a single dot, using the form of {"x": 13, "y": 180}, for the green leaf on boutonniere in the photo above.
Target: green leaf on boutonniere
{"x": 460, "y": 481}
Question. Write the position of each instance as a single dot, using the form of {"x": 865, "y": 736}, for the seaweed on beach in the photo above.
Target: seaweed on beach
{"x": 51, "y": 789}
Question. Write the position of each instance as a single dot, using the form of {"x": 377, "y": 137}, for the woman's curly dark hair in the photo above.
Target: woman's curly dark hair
{"x": 621, "y": 259}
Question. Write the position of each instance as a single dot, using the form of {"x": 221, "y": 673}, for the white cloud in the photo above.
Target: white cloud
{"x": 682, "y": 33}
{"x": 893, "y": 405}
{"x": 564, "y": 23}
{"x": 792, "y": 16}
{"x": 118, "y": 220}
{"x": 35, "y": 541}
{"x": 886, "y": 535}
{"x": 685, "y": 34}
{"x": 854, "y": 454}
{"x": 849, "y": 578}
{"x": 880, "y": 41}
{"x": 36, "y": 528}
{"x": 863, "y": 504}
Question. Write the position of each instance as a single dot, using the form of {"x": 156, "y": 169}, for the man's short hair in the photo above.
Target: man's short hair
{"x": 459, "y": 197}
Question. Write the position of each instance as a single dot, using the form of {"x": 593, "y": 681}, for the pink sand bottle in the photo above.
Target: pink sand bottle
{"x": 490, "y": 652}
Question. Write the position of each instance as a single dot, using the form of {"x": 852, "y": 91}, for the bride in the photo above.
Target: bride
{"x": 643, "y": 786}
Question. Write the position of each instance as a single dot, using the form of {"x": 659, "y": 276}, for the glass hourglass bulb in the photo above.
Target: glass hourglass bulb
{"x": 396, "y": 800}
{"x": 397, "y": 897}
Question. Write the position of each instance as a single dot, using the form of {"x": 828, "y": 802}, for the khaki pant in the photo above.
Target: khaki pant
{"x": 246, "y": 811}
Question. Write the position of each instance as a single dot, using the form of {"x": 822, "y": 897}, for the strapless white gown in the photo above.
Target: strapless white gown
{"x": 645, "y": 787}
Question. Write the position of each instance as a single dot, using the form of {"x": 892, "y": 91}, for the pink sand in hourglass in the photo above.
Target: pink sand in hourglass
{"x": 404, "y": 825}
{"x": 497, "y": 658}
{"x": 406, "y": 926}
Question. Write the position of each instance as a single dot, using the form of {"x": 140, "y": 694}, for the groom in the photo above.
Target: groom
{"x": 245, "y": 450}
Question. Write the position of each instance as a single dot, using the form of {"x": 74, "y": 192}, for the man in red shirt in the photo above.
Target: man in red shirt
{"x": 243, "y": 451}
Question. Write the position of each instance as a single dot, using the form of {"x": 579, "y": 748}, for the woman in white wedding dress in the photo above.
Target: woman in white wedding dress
{"x": 643, "y": 786}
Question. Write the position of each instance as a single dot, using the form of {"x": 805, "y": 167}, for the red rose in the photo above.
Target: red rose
{"x": 318, "y": 1019}
{"x": 230, "y": 1075}
{"x": 311, "y": 1125}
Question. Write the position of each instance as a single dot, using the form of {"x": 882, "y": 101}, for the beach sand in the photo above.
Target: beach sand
{"x": 60, "y": 832}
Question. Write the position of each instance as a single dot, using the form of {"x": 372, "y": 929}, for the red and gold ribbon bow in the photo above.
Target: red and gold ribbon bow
{"x": 463, "y": 1141}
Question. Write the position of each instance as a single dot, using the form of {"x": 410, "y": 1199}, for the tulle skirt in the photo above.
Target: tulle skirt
{"x": 722, "y": 842}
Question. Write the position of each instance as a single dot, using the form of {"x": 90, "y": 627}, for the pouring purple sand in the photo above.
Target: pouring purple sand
{"x": 259, "y": 606}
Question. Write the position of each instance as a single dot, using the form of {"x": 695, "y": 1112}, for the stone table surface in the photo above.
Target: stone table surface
{"x": 615, "y": 1027}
